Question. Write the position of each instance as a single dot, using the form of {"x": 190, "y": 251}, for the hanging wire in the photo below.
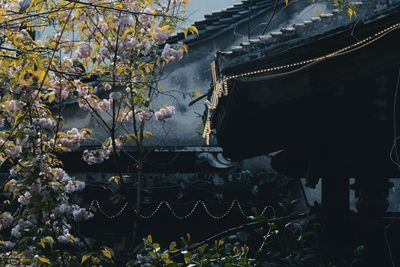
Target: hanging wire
{"x": 396, "y": 161}
{"x": 271, "y": 18}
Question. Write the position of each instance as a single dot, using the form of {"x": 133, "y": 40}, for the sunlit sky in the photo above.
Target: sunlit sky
{"x": 198, "y": 8}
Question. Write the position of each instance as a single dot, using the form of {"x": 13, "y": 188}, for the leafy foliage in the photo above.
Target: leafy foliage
{"x": 107, "y": 56}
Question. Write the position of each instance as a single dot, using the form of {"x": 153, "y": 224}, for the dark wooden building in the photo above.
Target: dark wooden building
{"x": 323, "y": 93}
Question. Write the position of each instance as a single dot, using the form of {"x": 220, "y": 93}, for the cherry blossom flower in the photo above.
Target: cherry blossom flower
{"x": 16, "y": 105}
{"x": 24, "y": 199}
{"x": 160, "y": 35}
{"x": 81, "y": 214}
{"x": 131, "y": 43}
{"x": 47, "y": 123}
{"x": 144, "y": 115}
{"x": 126, "y": 20}
{"x": 63, "y": 209}
{"x": 104, "y": 27}
{"x": 145, "y": 18}
{"x": 104, "y": 105}
{"x": 88, "y": 103}
{"x": 82, "y": 90}
{"x": 66, "y": 237}
{"x": 14, "y": 152}
{"x": 107, "y": 86}
{"x": 105, "y": 53}
{"x": 108, "y": 145}
{"x": 80, "y": 71}
{"x": 115, "y": 96}
{"x": 84, "y": 51}
{"x": 21, "y": 226}
{"x": 72, "y": 140}
{"x": 164, "y": 113}
{"x": 95, "y": 156}
{"x": 145, "y": 47}
{"x": 6, "y": 220}
{"x": 74, "y": 186}
{"x": 171, "y": 54}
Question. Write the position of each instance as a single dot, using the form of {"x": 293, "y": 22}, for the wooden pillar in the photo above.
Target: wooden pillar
{"x": 372, "y": 196}
{"x": 335, "y": 197}
{"x": 372, "y": 193}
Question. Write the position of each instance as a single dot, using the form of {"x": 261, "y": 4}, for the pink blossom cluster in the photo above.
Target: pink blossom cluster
{"x": 65, "y": 237}
{"x": 108, "y": 145}
{"x": 72, "y": 140}
{"x": 12, "y": 5}
{"x": 93, "y": 104}
{"x": 144, "y": 115}
{"x": 104, "y": 53}
{"x": 63, "y": 209}
{"x": 84, "y": 51}
{"x": 125, "y": 21}
{"x": 13, "y": 152}
{"x": 132, "y": 42}
{"x": 73, "y": 186}
{"x": 15, "y": 105}
{"x": 159, "y": 35}
{"x": 145, "y": 47}
{"x": 126, "y": 116}
{"x": 107, "y": 86}
{"x": 95, "y": 156}
{"x": 21, "y": 226}
{"x": 30, "y": 130}
{"x": 60, "y": 88}
{"x": 24, "y": 199}
{"x": 6, "y": 220}
{"x": 81, "y": 214}
{"x": 145, "y": 18}
{"x": 171, "y": 54}
{"x": 82, "y": 91}
{"x": 164, "y": 113}
{"x": 104, "y": 105}
{"x": 47, "y": 123}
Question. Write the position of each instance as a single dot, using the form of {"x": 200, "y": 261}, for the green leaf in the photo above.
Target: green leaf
{"x": 46, "y": 240}
{"x": 147, "y": 134}
{"x": 172, "y": 248}
{"x": 107, "y": 252}
{"x": 43, "y": 259}
{"x": 115, "y": 179}
{"x": 86, "y": 257}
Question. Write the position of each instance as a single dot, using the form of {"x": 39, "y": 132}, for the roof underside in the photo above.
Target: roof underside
{"x": 334, "y": 102}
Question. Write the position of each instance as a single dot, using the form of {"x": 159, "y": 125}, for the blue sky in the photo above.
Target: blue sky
{"x": 198, "y": 8}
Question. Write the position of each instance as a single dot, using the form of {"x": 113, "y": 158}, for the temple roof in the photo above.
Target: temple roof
{"x": 220, "y": 21}
{"x": 307, "y": 31}
{"x": 294, "y": 80}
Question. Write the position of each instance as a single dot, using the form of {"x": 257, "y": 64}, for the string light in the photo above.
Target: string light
{"x": 183, "y": 217}
{"x": 104, "y": 213}
{"x": 18, "y": 209}
{"x": 207, "y": 130}
{"x": 223, "y": 85}
{"x": 367, "y": 40}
